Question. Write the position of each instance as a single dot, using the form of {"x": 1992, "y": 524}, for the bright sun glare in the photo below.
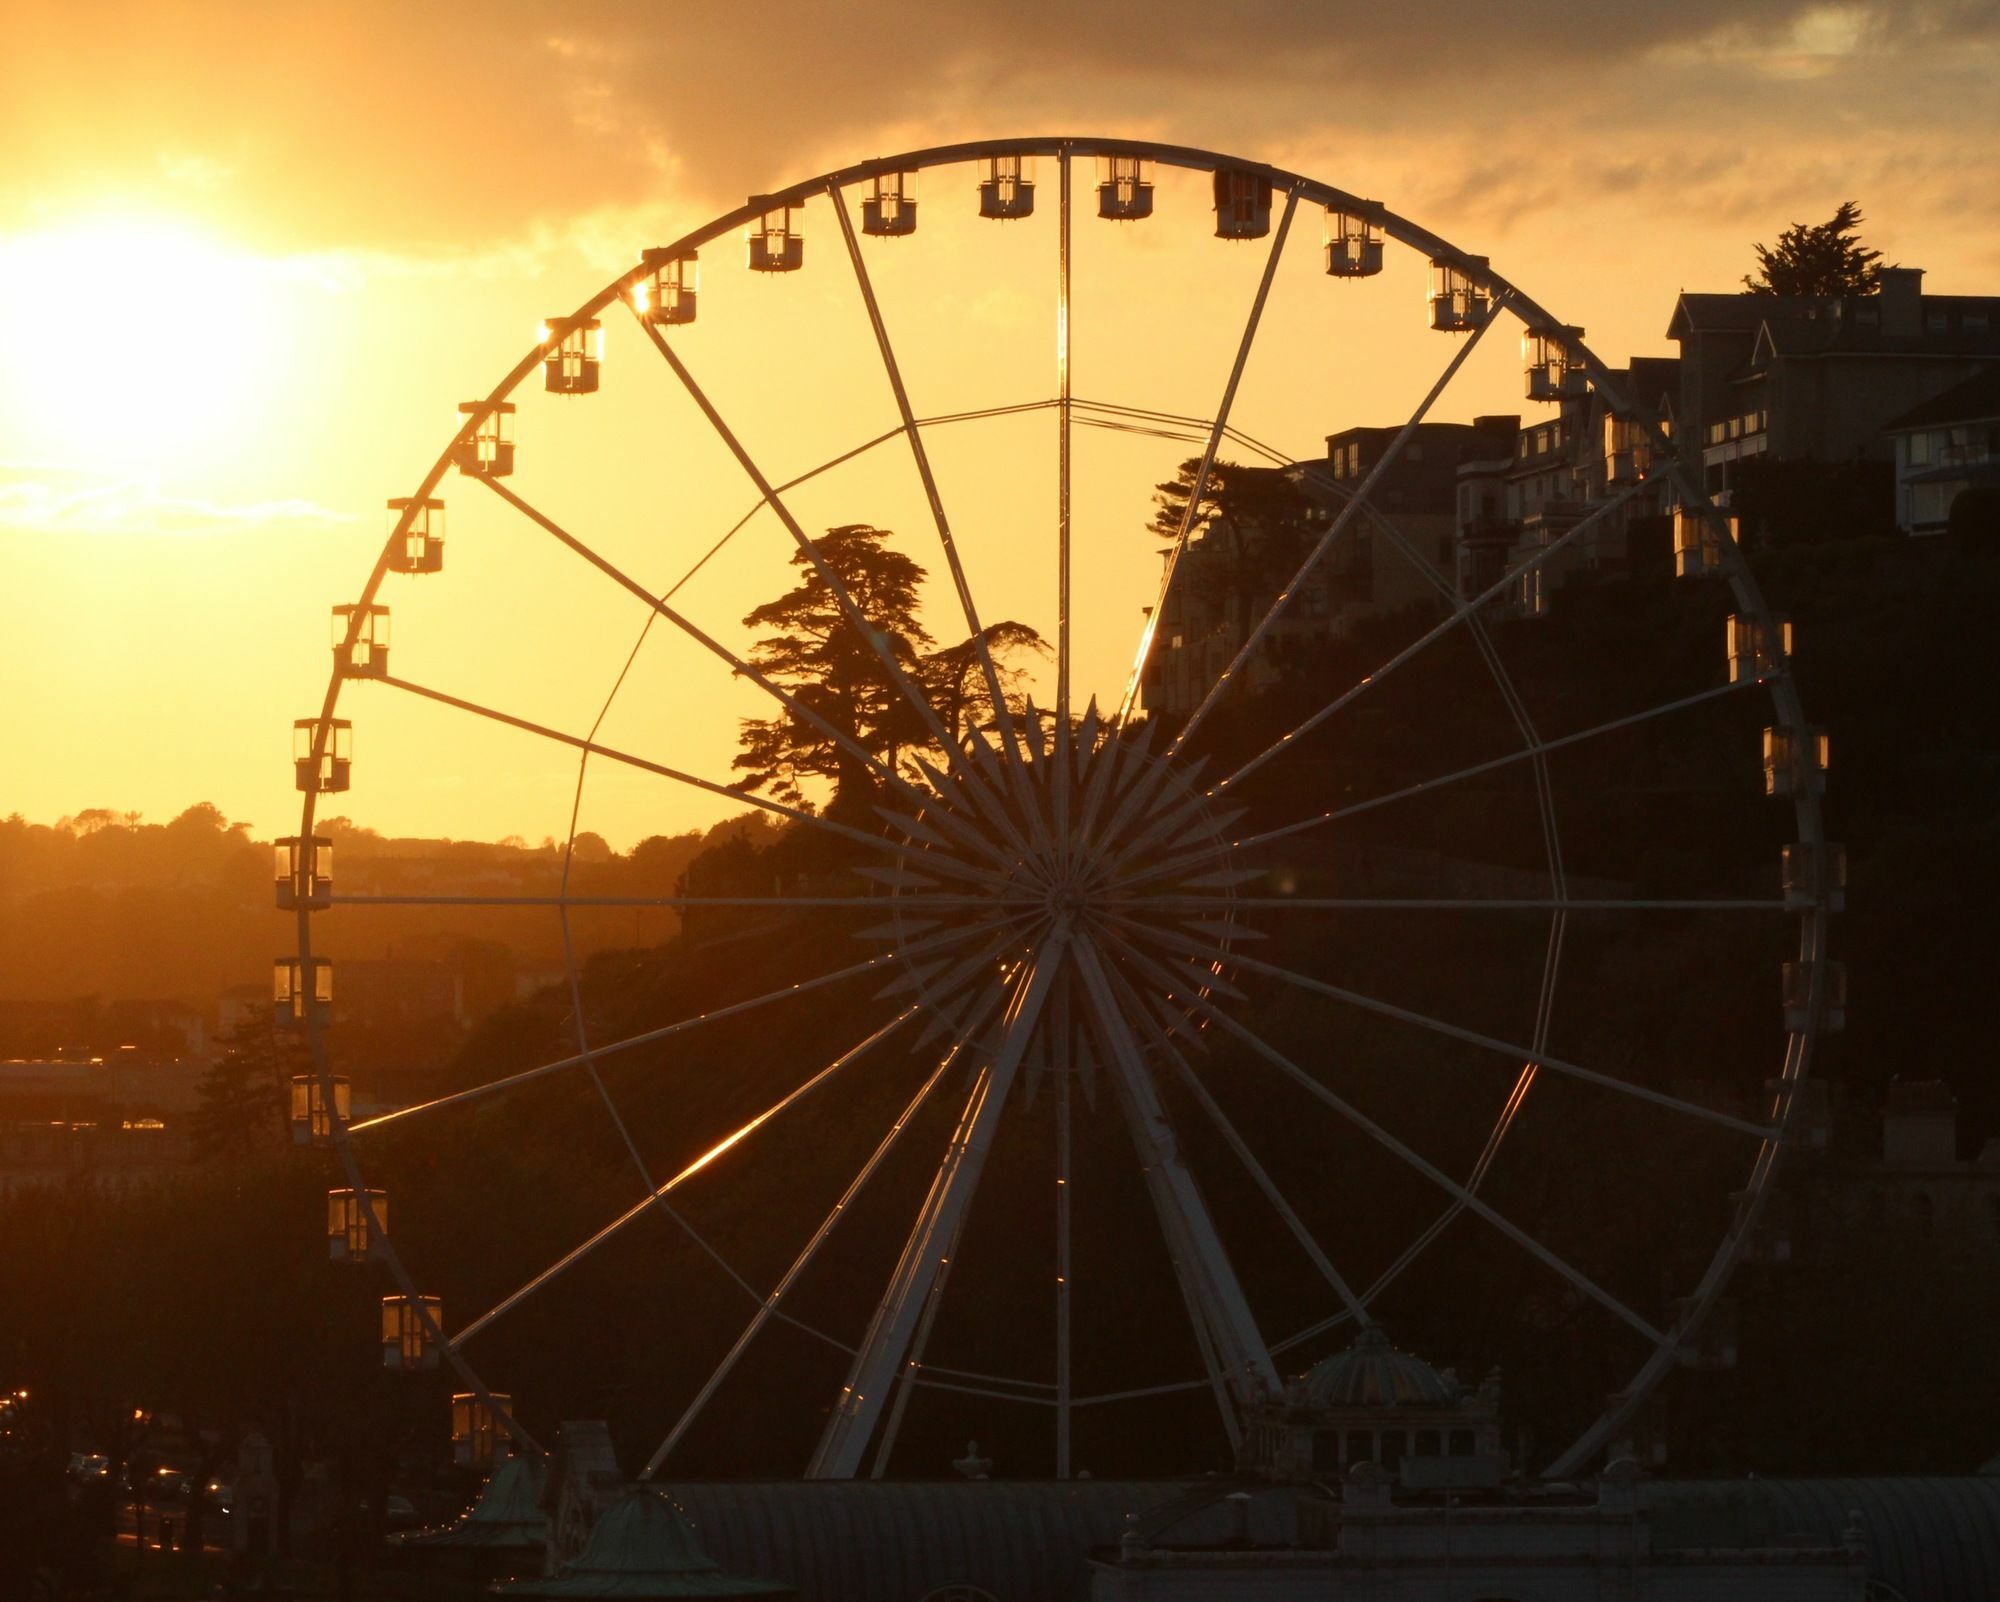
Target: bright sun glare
{"x": 133, "y": 343}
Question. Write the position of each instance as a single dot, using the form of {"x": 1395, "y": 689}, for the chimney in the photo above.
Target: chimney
{"x": 1902, "y": 293}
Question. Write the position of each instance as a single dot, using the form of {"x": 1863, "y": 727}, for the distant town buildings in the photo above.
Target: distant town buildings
{"x": 1820, "y": 379}
{"x": 1899, "y": 378}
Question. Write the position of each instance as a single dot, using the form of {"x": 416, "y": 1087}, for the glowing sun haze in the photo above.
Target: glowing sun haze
{"x": 252, "y": 257}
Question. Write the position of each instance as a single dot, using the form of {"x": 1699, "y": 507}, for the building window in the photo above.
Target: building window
{"x": 1920, "y": 450}
{"x": 1462, "y": 1443}
{"x": 1974, "y": 322}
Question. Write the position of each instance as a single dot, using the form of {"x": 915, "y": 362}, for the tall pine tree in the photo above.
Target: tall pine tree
{"x": 1818, "y": 259}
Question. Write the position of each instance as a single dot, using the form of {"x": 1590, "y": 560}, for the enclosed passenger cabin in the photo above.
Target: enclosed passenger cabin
{"x": 1756, "y": 649}
{"x": 305, "y": 873}
{"x": 1698, "y": 540}
{"x": 420, "y": 547}
{"x": 1459, "y": 302}
{"x": 487, "y": 450}
{"x": 1124, "y": 188}
{"x": 1795, "y": 764}
{"x": 314, "y": 1113}
{"x": 361, "y": 641}
{"x": 669, "y": 295}
{"x": 1712, "y": 1346}
{"x": 406, "y": 1345}
{"x": 350, "y": 1238}
{"x": 776, "y": 245}
{"x": 1628, "y": 451}
{"x": 297, "y": 996}
{"x": 889, "y": 210}
{"x": 478, "y": 1438}
{"x": 573, "y": 360}
{"x": 1353, "y": 244}
{"x": 1552, "y": 369}
{"x": 1831, "y": 978}
{"x": 1242, "y": 204}
{"x": 331, "y": 769}
{"x": 1007, "y": 187}
{"x": 1814, "y": 874}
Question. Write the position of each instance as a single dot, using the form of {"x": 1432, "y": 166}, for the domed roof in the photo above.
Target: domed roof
{"x": 1372, "y": 1373}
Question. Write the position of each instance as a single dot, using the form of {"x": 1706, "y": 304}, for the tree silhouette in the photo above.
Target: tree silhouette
{"x": 1818, "y": 259}
{"x": 239, "y": 1109}
{"x": 815, "y": 653}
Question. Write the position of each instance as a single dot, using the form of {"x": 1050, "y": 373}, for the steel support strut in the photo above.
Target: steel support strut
{"x": 856, "y": 1413}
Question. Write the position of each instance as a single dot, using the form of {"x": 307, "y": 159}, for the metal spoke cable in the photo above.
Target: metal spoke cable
{"x": 736, "y": 664}
{"x": 1336, "y": 814}
{"x": 873, "y": 637}
{"x": 1003, "y": 715}
{"x": 1576, "y": 1277}
{"x": 769, "y": 1307}
{"x": 946, "y": 866}
{"x": 1199, "y": 487}
{"x": 1265, "y": 624}
{"x": 577, "y": 1253}
{"x": 1472, "y": 1037}
{"x": 873, "y": 964}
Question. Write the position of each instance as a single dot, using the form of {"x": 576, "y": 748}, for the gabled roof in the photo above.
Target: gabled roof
{"x": 1732, "y": 313}
{"x": 1973, "y": 401}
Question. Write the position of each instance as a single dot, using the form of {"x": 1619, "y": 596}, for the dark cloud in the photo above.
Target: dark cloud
{"x": 426, "y": 128}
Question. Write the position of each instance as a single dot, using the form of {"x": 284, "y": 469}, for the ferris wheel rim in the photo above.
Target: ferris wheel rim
{"x": 1504, "y": 295}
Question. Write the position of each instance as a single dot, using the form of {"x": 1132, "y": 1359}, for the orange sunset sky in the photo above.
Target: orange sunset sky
{"x": 252, "y": 257}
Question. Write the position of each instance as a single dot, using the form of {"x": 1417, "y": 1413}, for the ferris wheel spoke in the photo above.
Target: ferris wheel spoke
{"x": 1217, "y": 427}
{"x": 875, "y": 964}
{"x": 770, "y": 1306}
{"x": 1063, "y": 409}
{"x": 737, "y": 665}
{"x": 1532, "y": 752}
{"x": 870, "y": 1381}
{"x": 1431, "y": 635}
{"x": 1347, "y": 1110}
{"x": 1183, "y": 1071}
{"x": 1255, "y": 639}
{"x": 659, "y": 1192}
{"x": 945, "y": 866}
{"x": 873, "y": 637}
{"x": 1003, "y": 714}
{"x": 1449, "y": 904}
{"x": 1506, "y": 1048}
{"x": 941, "y": 903}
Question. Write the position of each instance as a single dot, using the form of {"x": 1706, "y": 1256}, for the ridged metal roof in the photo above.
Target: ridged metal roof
{"x": 897, "y": 1541}
{"x": 1934, "y": 1539}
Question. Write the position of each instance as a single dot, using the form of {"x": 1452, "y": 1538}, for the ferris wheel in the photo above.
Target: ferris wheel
{"x": 1073, "y": 908}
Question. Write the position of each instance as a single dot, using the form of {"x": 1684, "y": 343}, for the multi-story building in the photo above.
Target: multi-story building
{"x": 1944, "y": 447}
{"x": 1819, "y": 378}
{"x": 1395, "y": 556}
{"x": 1559, "y": 472}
